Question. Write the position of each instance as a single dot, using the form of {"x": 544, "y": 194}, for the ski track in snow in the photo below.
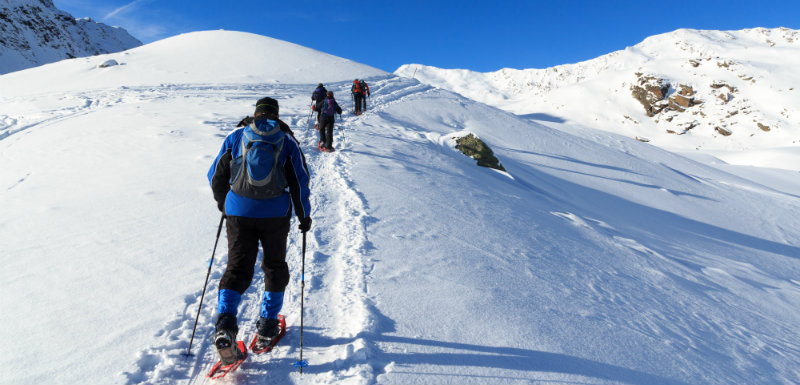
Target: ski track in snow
{"x": 338, "y": 315}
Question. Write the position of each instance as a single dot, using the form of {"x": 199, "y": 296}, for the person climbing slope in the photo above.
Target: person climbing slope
{"x": 364, "y": 94}
{"x": 329, "y": 108}
{"x": 318, "y": 97}
{"x": 358, "y": 95}
{"x": 258, "y": 178}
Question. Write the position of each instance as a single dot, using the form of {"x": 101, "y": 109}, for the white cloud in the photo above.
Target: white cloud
{"x": 123, "y": 9}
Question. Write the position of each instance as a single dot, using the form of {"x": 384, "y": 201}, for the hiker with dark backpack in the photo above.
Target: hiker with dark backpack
{"x": 358, "y": 95}
{"x": 258, "y": 178}
{"x": 364, "y": 93}
{"x": 318, "y": 97}
{"x": 329, "y": 109}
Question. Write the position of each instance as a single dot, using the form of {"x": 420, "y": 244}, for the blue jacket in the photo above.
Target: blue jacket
{"x": 295, "y": 170}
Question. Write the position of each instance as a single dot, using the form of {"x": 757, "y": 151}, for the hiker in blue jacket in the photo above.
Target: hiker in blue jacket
{"x": 329, "y": 109}
{"x": 254, "y": 215}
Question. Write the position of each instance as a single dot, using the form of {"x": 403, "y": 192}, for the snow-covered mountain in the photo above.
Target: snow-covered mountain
{"x": 35, "y": 32}
{"x": 593, "y": 259}
{"x": 731, "y": 94}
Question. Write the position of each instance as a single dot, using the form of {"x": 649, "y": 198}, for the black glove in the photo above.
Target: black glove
{"x": 221, "y": 206}
{"x": 305, "y": 224}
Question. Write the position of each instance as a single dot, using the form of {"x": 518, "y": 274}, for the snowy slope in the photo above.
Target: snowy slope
{"x": 596, "y": 259}
{"x": 35, "y": 32}
{"x": 198, "y": 58}
{"x": 744, "y": 94}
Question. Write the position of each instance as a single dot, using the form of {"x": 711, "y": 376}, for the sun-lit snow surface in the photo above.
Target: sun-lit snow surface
{"x": 596, "y": 259}
{"x": 760, "y": 64}
{"x": 197, "y": 57}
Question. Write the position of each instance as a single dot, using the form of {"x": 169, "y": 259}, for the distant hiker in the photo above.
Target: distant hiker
{"x": 258, "y": 177}
{"x": 364, "y": 93}
{"x": 318, "y": 97}
{"x": 358, "y": 95}
{"x": 329, "y": 109}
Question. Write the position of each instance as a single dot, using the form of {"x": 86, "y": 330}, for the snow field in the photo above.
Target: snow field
{"x": 594, "y": 259}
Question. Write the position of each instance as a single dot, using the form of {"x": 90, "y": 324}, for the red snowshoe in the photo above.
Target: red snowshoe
{"x": 220, "y": 370}
{"x": 256, "y": 346}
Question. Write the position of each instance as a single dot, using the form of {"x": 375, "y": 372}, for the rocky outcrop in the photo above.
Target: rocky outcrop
{"x": 475, "y": 148}
{"x": 650, "y": 91}
{"x": 653, "y": 93}
{"x": 723, "y": 131}
{"x": 35, "y": 32}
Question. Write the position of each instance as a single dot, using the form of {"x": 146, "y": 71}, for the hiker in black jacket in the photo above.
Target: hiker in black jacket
{"x": 364, "y": 94}
{"x": 318, "y": 97}
{"x": 327, "y": 112}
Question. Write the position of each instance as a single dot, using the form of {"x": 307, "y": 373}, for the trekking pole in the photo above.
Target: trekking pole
{"x": 210, "y": 263}
{"x": 302, "y": 363}
{"x": 341, "y": 127}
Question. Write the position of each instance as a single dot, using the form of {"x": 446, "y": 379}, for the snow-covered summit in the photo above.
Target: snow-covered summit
{"x": 196, "y": 58}
{"x": 35, "y": 32}
{"x": 734, "y": 94}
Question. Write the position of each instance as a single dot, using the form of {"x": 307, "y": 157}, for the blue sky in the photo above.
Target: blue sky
{"x": 477, "y": 35}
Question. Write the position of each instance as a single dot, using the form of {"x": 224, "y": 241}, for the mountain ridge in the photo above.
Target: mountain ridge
{"x": 718, "y": 91}
{"x": 33, "y": 33}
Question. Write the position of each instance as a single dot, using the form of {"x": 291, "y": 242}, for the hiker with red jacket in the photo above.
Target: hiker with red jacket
{"x": 364, "y": 93}
{"x": 326, "y": 120}
{"x": 358, "y": 95}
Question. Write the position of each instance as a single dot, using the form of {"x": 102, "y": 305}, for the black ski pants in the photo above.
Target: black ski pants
{"x": 318, "y": 108}
{"x": 357, "y": 98}
{"x": 326, "y": 131}
{"x": 244, "y": 235}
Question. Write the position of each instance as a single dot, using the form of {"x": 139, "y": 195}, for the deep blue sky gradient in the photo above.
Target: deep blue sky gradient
{"x": 477, "y": 35}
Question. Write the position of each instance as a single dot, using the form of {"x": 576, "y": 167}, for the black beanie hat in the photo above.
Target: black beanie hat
{"x": 266, "y": 105}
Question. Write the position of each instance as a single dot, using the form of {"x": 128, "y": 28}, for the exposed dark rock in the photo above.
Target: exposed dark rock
{"x": 682, "y": 101}
{"x": 720, "y": 85}
{"x": 650, "y": 91}
{"x": 723, "y": 131}
{"x": 475, "y": 148}
{"x": 108, "y": 63}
